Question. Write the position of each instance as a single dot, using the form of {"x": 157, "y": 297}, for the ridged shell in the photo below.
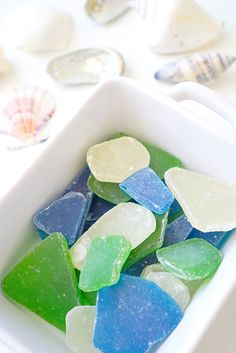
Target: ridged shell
{"x": 25, "y": 113}
{"x": 202, "y": 68}
{"x": 104, "y": 11}
{"x": 86, "y": 66}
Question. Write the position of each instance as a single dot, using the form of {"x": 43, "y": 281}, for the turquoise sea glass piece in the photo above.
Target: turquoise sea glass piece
{"x": 151, "y": 244}
{"x": 175, "y": 211}
{"x": 148, "y": 190}
{"x": 177, "y": 231}
{"x": 103, "y": 262}
{"x": 45, "y": 281}
{"x": 191, "y": 259}
{"x": 133, "y": 315}
{"x": 65, "y": 215}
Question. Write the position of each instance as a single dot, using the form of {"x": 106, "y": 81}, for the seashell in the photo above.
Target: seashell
{"x": 177, "y": 26}
{"x": 38, "y": 29}
{"x": 4, "y": 64}
{"x": 104, "y": 11}
{"x": 202, "y": 68}
{"x": 86, "y": 66}
{"x": 25, "y": 113}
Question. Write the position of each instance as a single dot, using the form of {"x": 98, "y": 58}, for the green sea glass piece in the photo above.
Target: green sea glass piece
{"x": 45, "y": 281}
{"x": 151, "y": 244}
{"x": 161, "y": 160}
{"x": 103, "y": 263}
{"x": 89, "y": 298}
{"x": 107, "y": 191}
{"x": 191, "y": 259}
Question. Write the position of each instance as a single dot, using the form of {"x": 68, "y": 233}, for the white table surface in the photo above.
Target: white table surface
{"x": 127, "y": 36}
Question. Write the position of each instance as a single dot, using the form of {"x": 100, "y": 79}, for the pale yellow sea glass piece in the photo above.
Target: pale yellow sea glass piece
{"x": 132, "y": 221}
{"x": 172, "y": 285}
{"x": 115, "y": 160}
{"x": 209, "y": 204}
{"x": 79, "y": 329}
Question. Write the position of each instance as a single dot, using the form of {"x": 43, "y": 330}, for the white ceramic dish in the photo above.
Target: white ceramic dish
{"x": 205, "y": 145}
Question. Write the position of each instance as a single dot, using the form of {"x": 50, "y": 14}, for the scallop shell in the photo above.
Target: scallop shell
{"x": 202, "y": 68}
{"x": 86, "y": 66}
{"x": 104, "y": 11}
{"x": 38, "y": 28}
{"x": 177, "y": 26}
{"x": 25, "y": 113}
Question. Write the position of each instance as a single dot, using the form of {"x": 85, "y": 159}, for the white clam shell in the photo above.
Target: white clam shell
{"x": 202, "y": 68}
{"x": 104, "y": 11}
{"x": 25, "y": 114}
{"x": 86, "y": 66}
{"x": 4, "y": 63}
{"x": 38, "y": 29}
{"x": 177, "y": 26}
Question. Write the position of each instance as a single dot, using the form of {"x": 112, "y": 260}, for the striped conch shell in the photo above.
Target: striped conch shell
{"x": 202, "y": 68}
{"x": 177, "y": 26}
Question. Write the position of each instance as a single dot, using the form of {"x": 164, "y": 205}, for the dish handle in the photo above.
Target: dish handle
{"x": 205, "y": 96}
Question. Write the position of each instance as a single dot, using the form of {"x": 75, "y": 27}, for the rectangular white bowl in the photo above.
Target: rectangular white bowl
{"x": 116, "y": 106}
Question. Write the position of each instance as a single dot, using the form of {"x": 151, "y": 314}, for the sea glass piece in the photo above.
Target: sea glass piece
{"x": 175, "y": 211}
{"x": 89, "y": 298}
{"x": 129, "y": 220}
{"x": 86, "y": 66}
{"x": 103, "y": 263}
{"x": 98, "y": 208}
{"x": 148, "y": 190}
{"x": 161, "y": 160}
{"x": 107, "y": 191}
{"x": 104, "y": 11}
{"x": 45, "y": 281}
{"x": 115, "y": 160}
{"x": 151, "y": 244}
{"x": 191, "y": 259}
{"x": 65, "y": 215}
{"x": 209, "y": 204}
{"x": 138, "y": 267}
{"x": 215, "y": 238}
{"x": 177, "y": 231}
{"x": 172, "y": 285}
{"x": 79, "y": 184}
{"x": 133, "y": 315}
{"x": 157, "y": 267}
{"x": 79, "y": 329}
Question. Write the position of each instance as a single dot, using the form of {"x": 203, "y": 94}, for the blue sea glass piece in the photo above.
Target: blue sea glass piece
{"x": 177, "y": 231}
{"x": 98, "y": 208}
{"x": 133, "y": 315}
{"x": 148, "y": 190}
{"x": 139, "y": 266}
{"x": 79, "y": 184}
{"x": 215, "y": 238}
{"x": 65, "y": 215}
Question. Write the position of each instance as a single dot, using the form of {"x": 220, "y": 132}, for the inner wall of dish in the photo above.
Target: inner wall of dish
{"x": 115, "y": 108}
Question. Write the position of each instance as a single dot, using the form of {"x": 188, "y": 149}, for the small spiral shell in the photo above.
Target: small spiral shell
{"x": 202, "y": 68}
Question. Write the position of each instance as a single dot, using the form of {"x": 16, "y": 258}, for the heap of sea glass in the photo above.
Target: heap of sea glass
{"x": 143, "y": 232}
